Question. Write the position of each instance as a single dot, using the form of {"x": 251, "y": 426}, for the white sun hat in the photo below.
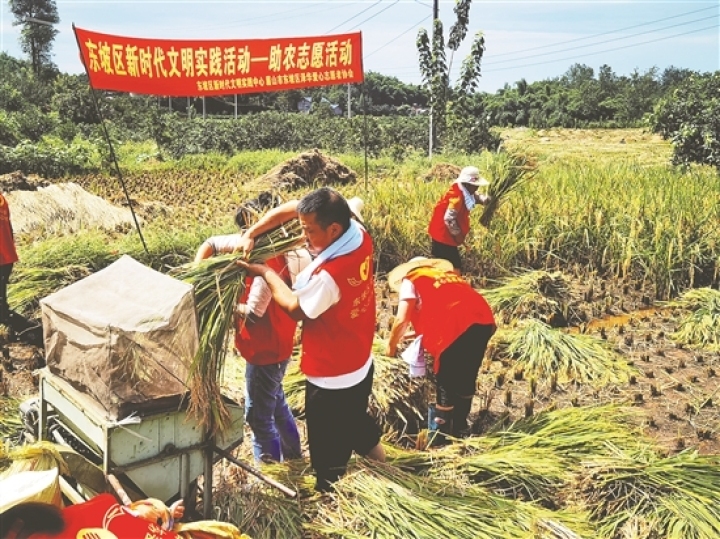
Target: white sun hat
{"x": 356, "y": 205}
{"x": 471, "y": 176}
{"x": 396, "y": 275}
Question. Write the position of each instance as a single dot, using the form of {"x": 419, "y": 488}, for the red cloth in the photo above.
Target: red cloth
{"x": 449, "y": 306}
{"x": 455, "y": 200}
{"x": 8, "y": 254}
{"x": 270, "y": 338}
{"x": 102, "y": 514}
{"x": 339, "y": 341}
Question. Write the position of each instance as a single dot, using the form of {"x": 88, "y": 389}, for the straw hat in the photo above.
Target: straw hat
{"x": 396, "y": 275}
{"x": 356, "y": 205}
{"x": 471, "y": 176}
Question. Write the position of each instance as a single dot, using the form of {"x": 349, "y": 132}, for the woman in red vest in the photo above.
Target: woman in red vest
{"x": 450, "y": 222}
{"x": 264, "y": 337}
{"x": 454, "y": 323}
{"x": 8, "y": 257}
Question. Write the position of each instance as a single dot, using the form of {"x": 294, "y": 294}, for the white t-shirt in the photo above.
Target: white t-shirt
{"x": 315, "y": 298}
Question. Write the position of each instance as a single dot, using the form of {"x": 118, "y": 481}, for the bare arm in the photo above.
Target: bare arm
{"x": 273, "y": 218}
{"x": 400, "y": 325}
{"x": 204, "y": 251}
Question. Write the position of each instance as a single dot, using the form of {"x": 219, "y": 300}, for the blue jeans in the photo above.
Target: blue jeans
{"x": 275, "y": 434}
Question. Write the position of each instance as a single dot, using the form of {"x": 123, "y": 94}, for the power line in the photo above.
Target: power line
{"x": 606, "y": 50}
{"x": 413, "y": 69}
{"x": 354, "y": 16}
{"x": 599, "y": 42}
{"x": 397, "y": 37}
{"x": 533, "y": 49}
{"x": 373, "y": 16}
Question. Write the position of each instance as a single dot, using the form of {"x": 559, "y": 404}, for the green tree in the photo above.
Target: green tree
{"x": 37, "y": 18}
{"x": 435, "y": 70}
{"x": 690, "y": 117}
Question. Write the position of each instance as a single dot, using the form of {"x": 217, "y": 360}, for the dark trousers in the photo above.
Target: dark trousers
{"x": 447, "y": 252}
{"x": 460, "y": 363}
{"x": 338, "y": 423}
{"x": 5, "y": 271}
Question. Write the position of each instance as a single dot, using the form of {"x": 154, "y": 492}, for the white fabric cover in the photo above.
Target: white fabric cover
{"x": 125, "y": 335}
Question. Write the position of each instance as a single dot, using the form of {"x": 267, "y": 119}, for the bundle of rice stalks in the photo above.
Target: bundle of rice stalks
{"x": 533, "y": 459}
{"x": 543, "y": 352}
{"x": 534, "y": 294}
{"x": 381, "y": 501}
{"x": 701, "y": 328}
{"x": 505, "y": 171}
{"x": 218, "y": 282}
{"x": 676, "y": 497}
{"x": 30, "y": 284}
{"x": 397, "y": 399}
{"x": 38, "y": 456}
{"x": 259, "y": 511}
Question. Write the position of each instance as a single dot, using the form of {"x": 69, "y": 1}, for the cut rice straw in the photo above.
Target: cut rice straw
{"x": 544, "y": 352}
{"x": 218, "y": 282}
{"x": 701, "y": 327}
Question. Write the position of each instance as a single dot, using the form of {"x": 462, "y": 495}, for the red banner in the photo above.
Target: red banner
{"x": 196, "y": 68}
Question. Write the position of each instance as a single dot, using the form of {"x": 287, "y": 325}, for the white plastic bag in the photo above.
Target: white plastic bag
{"x": 414, "y": 356}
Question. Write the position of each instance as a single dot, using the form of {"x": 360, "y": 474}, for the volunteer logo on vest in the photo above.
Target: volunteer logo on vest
{"x": 364, "y": 273}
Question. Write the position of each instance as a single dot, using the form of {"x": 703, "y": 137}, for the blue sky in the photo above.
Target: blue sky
{"x": 530, "y": 39}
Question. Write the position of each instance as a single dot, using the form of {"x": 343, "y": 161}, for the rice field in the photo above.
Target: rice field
{"x": 595, "y": 412}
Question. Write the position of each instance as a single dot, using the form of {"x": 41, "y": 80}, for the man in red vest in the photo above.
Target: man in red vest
{"x": 8, "y": 257}
{"x": 450, "y": 221}
{"x": 454, "y": 323}
{"x": 335, "y": 298}
{"x": 264, "y": 337}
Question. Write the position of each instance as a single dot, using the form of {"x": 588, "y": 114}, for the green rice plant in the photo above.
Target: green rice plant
{"x": 377, "y": 500}
{"x": 676, "y": 497}
{"x": 536, "y": 294}
{"x": 218, "y": 282}
{"x": 701, "y": 327}
{"x": 543, "y": 352}
{"x": 30, "y": 284}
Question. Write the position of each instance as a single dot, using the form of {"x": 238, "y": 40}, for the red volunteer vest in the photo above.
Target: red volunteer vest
{"x": 270, "y": 338}
{"x": 8, "y": 254}
{"x": 449, "y": 306}
{"x": 437, "y": 229}
{"x": 339, "y": 341}
{"x": 103, "y": 518}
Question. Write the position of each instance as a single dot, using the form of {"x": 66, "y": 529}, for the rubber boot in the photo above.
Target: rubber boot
{"x": 439, "y": 425}
{"x": 460, "y": 414}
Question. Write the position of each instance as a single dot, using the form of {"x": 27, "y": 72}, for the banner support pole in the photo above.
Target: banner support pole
{"x": 365, "y": 131}
{"x": 110, "y": 146}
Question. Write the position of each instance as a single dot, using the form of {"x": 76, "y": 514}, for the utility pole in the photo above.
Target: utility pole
{"x": 431, "y": 135}
{"x": 349, "y": 113}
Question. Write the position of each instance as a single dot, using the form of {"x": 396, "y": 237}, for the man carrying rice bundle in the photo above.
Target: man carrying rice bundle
{"x": 335, "y": 298}
{"x": 454, "y": 324}
{"x": 450, "y": 221}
